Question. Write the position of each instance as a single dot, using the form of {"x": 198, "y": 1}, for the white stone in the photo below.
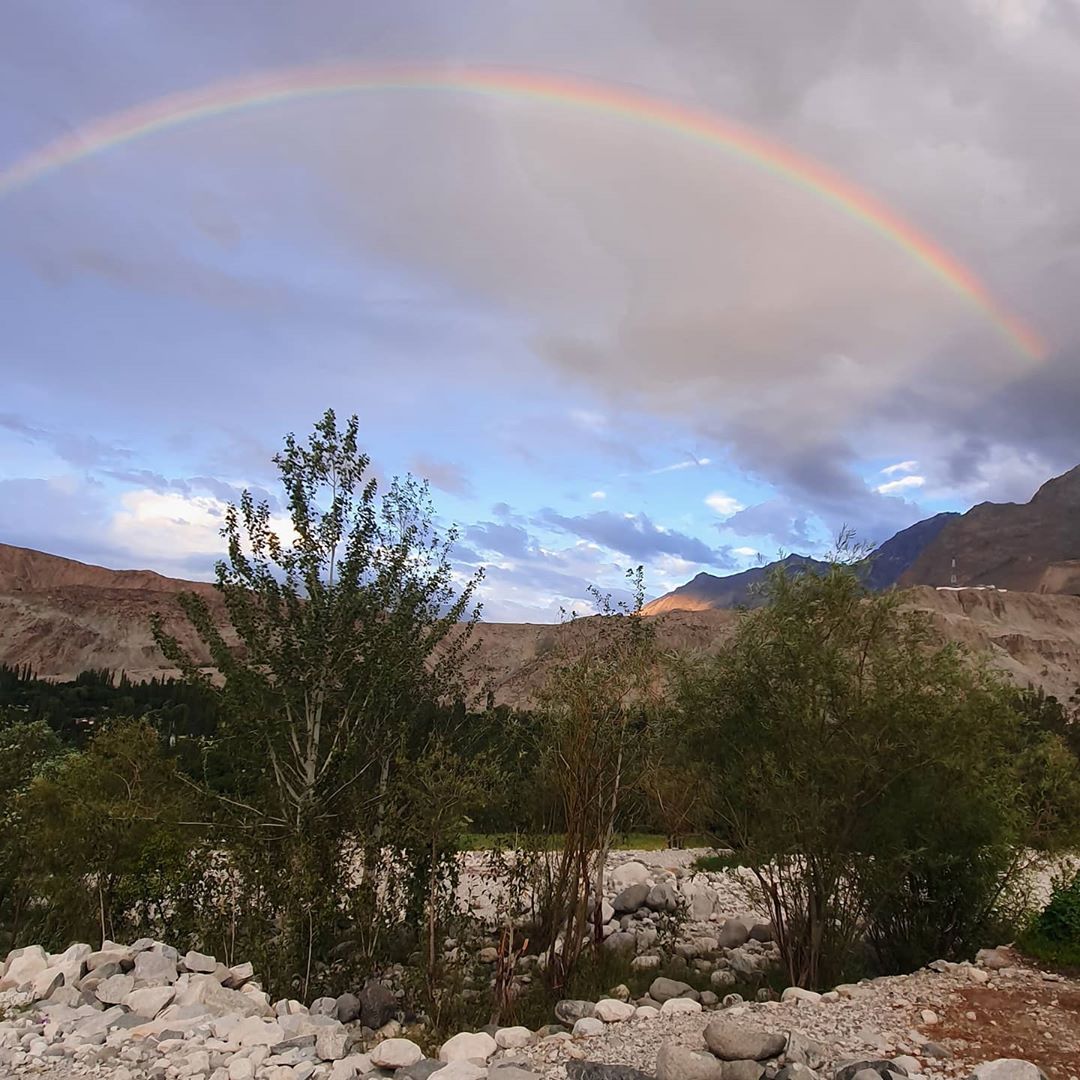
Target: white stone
{"x": 466, "y": 1045}
{"x": 1008, "y": 1069}
{"x": 241, "y": 1068}
{"x": 153, "y": 968}
{"x": 45, "y": 982}
{"x": 514, "y": 1038}
{"x": 201, "y": 962}
{"x": 800, "y": 996}
{"x": 148, "y": 1001}
{"x": 114, "y": 989}
{"x": 928, "y": 1016}
{"x": 254, "y": 1031}
{"x": 611, "y": 1011}
{"x": 23, "y": 964}
{"x": 462, "y": 1070}
{"x": 646, "y": 1012}
{"x": 355, "y": 1065}
{"x": 72, "y": 962}
{"x": 588, "y": 1026}
{"x": 331, "y": 1043}
{"x": 679, "y": 1005}
{"x": 645, "y": 963}
{"x": 395, "y": 1054}
{"x": 630, "y": 873}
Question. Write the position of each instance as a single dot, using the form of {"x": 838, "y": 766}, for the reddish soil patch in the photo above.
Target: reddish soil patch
{"x": 1039, "y": 1023}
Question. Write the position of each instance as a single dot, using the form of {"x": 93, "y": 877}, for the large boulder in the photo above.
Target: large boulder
{"x": 588, "y": 1026}
{"x": 347, "y": 1008}
{"x": 630, "y": 873}
{"x": 148, "y": 1001}
{"x": 114, "y": 989}
{"x": 468, "y": 1045}
{"x": 153, "y": 968}
{"x": 395, "y": 1054}
{"x": 675, "y": 1062}
{"x": 995, "y": 959}
{"x": 662, "y": 897}
{"x": 44, "y": 983}
{"x": 676, "y": 1005}
{"x": 802, "y": 1050}
{"x": 218, "y": 1000}
{"x": 514, "y": 1038}
{"x": 743, "y": 1070}
{"x": 569, "y": 1011}
{"x": 71, "y": 962}
{"x": 663, "y": 988}
{"x": 1008, "y": 1069}
{"x": 622, "y": 941}
{"x": 630, "y": 899}
{"x": 22, "y": 965}
{"x": 732, "y": 1041}
{"x": 733, "y": 933}
{"x": 377, "y": 1005}
{"x": 199, "y": 962}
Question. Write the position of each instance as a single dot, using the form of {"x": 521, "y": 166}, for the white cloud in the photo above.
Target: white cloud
{"x": 693, "y": 463}
{"x": 598, "y": 495}
{"x": 725, "y": 505}
{"x": 745, "y": 552}
{"x": 905, "y": 483}
{"x": 900, "y": 467}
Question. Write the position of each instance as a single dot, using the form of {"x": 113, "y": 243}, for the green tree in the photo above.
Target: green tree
{"x": 858, "y": 767}
{"x": 345, "y": 621}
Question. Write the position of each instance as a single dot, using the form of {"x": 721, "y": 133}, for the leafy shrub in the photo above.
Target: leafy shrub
{"x": 1054, "y": 934}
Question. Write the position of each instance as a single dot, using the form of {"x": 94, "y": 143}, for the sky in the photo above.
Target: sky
{"x": 603, "y": 343}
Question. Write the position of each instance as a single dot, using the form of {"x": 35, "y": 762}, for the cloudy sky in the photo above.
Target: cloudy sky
{"x": 602, "y": 342}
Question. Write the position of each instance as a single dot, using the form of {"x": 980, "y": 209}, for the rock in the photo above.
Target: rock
{"x": 621, "y": 941}
{"x": 795, "y": 1071}
{"x": 463, "y": 1070}
{"x": 510, "y": 1071}
{"x": 612, "y": 1011}
{"x": 488, "y": 955}
{"x": 347, "y": 1008}
{"x": 722, "y": 979}
{"x": 216, "y": 999}
{"x": 46, "y": 982}
{"x": 620, "y": 992}
{"x": 848, "y": 1070}
{"x": 569, "y": 1011}
{"x": 802, "y": 1050}
{"x": 588, "y": 1026}
{"x": 352, "y": 1066}
{"x": 733, "y": 933}
{"x": 108, "y": 954}
{"x": 377, "y": 1005}
{"x": 594, "y": 1070}
{"x": 514, "y": 1038}
{"x": 798, "y": 994}
{"x": 630, "y": 873}
{"x": 466, "y": 1045}
{"x": 708, "y": 998}
{"x": 935, "y": 1050}
{"x": 674, "y": 1062}
{"x": 978, "y": 975}
{"x": 396, "y": 1054}
{"x": 241, "y": 1068}
{"x": 200, "y": 962}
{"x": 238, "y": 975}
{"x": 23, "y": 965}
{"x": 661, "y": 989}
{"x": 662, "y": 898}
{"x": 324, "y": 1006}
{"x": 630, "y": 899}
{"x": 905, "y": 1064}
{"x": 646, "y": 1012}
{"x": 730, "y": 999}
{"x": 114, "y": 989}
{"x": 331, "y": 1043}
{"x": 645, "y": 963}
{"x": 761, "y": 931}
{"x": 676, "y": 1005}
{"x": 731, "y": 1041}
{"x": 148, "y": 1001}
{"x": 995, "y": 960}
{"x": 254, "y": 1031}
{"x": 928, "y": 1017}
{"x": 743, "y": 963}
{"x": 743, "y": 1070}
{"x": 1008, "y": 1069}
{"x": 71, "y": 962}
{"x": 154, "y": 969}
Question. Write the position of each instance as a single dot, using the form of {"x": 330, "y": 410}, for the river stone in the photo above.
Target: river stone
{"x": 796, "y": 1071}
{"x": 466, "y": 1045}
{"x": 514, "y": 1038}
{"x": 200, "y": 962}
{"x": 630, "y": 873}
{"x": 800, "y": 996}
{"x": 733, "y": 933}
{"x": 347, "y": 1008}
{"x": 646, "y": 1012}
{"x": 588, "y": 1026}
{"x": 662, "y": 898}
{"x": 1008, "y": 1069}
{"x": 45, "y": 982}
{"x": 630, "y": 899}
{"x": 848, "y": 1069}
{"x": 23, "y": 965}
{"x": 463, "y": 1070}
{"x": 676, "y": 1005}
{"x": 995, "y": 959}
{"x": 72, "y": 962}
{"x": 421, "y": 1070}
{"x": 569, "y": 1011}
{"x": 663, "y": 988}
{"x": 612, "y": 1011}
{"x": 595, "y": 1070}
{"x": 743, "y": 1070}
{"x": 116, "y": 955}
{"x": 802, "y": 1050}
{"x": 622, "y": 941}
{"x": 331, "y": 1043}
{"x": 395, "y": 1054}
{"x": 323, "y": 1006}
{"x": 734, "y": 1042}
{"x": 761, "y": 931}
{"x": 675, "y": 1062}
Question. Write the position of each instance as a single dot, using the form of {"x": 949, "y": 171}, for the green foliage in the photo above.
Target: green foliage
{"x": 867, "y": 775}
{"x": 1054, "y": 934}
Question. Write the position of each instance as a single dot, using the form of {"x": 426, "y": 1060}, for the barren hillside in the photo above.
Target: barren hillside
{"x": 62, "y": 617}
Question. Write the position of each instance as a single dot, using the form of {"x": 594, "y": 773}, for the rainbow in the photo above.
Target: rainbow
{"x": 292, "y": 84}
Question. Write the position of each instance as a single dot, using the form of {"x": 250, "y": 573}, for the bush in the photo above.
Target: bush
{"x": 1054, "y": 934}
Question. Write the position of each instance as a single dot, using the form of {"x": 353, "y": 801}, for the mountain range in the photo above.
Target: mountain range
{"x": 1027, "y": 547}
{"x": 62, "y": 617}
